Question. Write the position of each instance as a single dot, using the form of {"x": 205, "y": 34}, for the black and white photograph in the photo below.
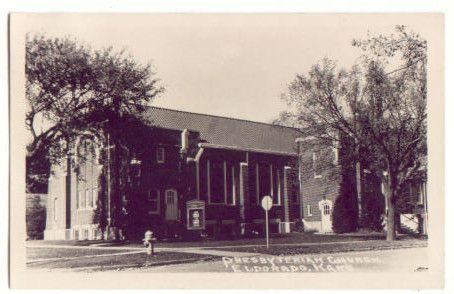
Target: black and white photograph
{"x": 240, "y": 145}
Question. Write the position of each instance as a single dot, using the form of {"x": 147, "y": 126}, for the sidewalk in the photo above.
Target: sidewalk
{"x": 133, "y": 250}
{"x": 213, "y": 252}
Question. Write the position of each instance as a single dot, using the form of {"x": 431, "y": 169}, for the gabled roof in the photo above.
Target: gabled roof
{"x": 229, "y": 132}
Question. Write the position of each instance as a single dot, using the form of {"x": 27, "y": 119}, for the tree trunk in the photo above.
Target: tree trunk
{"x": 390, "y": 221}
{"x": 68, "y": 191}
{"x": 359, "y": 191}
{"x": 358, "y": 177}
{"x": 117, "y": 193}
{"x": 390, "y": 207}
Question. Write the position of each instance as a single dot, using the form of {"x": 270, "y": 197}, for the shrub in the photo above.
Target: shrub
{"x": 298, "y": 227}
{"x": 373, "y": 209}
{"x": 345, "y": 212}
{"x": 35, "y": 219}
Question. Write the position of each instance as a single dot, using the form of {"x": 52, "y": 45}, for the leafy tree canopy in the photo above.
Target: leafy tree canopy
{"x": 380, "y": 103}
{"x": 74, "y": 91}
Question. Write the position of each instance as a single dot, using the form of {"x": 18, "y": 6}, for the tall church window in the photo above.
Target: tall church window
{"x": 231, "y": 183}
{"x": 264, "y": 183}
{"x": 216, "y": 179}
{"x": 276, "y": 183}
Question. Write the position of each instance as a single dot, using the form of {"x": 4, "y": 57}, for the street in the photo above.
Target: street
{"x": 341, "y": 256}
{"x": 398, "y": 260}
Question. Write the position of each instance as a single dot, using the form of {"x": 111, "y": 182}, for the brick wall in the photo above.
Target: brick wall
{"x": 316, "y": 184}
{"x": 55, "y": 205}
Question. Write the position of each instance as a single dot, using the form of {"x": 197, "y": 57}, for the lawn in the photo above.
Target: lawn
{"x": 117, "y": 262}
{"x": 68, "y": 242}
{"x": 292, "y": 238}
{"x": 293, "y": 249}
{"x": 43, "y": 253}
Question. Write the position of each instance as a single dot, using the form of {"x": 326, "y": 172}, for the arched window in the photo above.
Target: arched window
{"x": 326, "y": 209}
{"x": 170, "y": 196}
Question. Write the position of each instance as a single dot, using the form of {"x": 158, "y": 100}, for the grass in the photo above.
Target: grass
{"x": 276, "y": 249}
{"x": 70, "y": 242}
{"x": 292, "y": 238}
{"x": 43, "y": 253}
{"x": 117, "y": 262}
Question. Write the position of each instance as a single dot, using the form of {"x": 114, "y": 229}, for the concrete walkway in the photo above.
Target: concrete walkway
{"x": 134, "y": 250}
{"x": 210, "y": 250}
{"x": 213, "y": 252}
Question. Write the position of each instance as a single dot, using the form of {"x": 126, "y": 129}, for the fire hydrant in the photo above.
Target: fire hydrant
{"x": 148, "y": 242}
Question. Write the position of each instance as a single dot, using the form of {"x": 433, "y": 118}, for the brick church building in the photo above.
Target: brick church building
{"x": 195, "y": 174}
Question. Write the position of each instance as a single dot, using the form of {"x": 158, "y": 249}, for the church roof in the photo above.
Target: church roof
{"x": 228, "y": 132}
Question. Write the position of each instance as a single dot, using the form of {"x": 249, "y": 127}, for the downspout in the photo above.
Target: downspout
{"x": 300, "y": 182}
{"x": 197, "y": 169}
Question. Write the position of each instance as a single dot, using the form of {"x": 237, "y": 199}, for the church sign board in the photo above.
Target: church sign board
{"x": 195, "y": 211}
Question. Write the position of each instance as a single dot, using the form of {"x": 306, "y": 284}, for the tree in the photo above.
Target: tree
{"x": 382, "y": 110}
{"x": 345, "y": 211}
{"x": 72, "y": 89}
{"x": 373, "y": 204}
{"x": 75, "y": 93}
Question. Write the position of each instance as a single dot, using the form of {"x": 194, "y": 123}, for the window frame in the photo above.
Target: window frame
{"x": 160, "y": 154}
{"x": 87, "y": 197}
{"x": 314, "y": 160}
{"x": 78, "y": 196}
{"x": 175, "y": 194}
{"x": 82, "y": 196}
{"x": 308, "y": 210}
{"x": 422, "y": 193}
{"x": 231, "y": 183}
{"x": 271, "y": 178}
{"x": 279, "y": 187}
{"x": 326, "y": 207}
{"x": 224, "y": 188}
{"x": 157, "y": 200}
{"x": 258, "y": 167}
{"x": 294, "y": 196}
{"x": 94, "y": 197}
{"x": 257, "y": 183}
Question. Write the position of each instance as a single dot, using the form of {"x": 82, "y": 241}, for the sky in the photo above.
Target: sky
{"x": 228, "y": 65}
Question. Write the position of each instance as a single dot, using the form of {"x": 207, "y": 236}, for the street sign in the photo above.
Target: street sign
{"x": 267, "y": 203}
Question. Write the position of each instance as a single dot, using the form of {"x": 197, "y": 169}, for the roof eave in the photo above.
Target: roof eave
{"x": 236, "y": 148}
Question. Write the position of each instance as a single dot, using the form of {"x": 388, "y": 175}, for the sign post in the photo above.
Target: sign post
{"x": 267, "y": 203}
